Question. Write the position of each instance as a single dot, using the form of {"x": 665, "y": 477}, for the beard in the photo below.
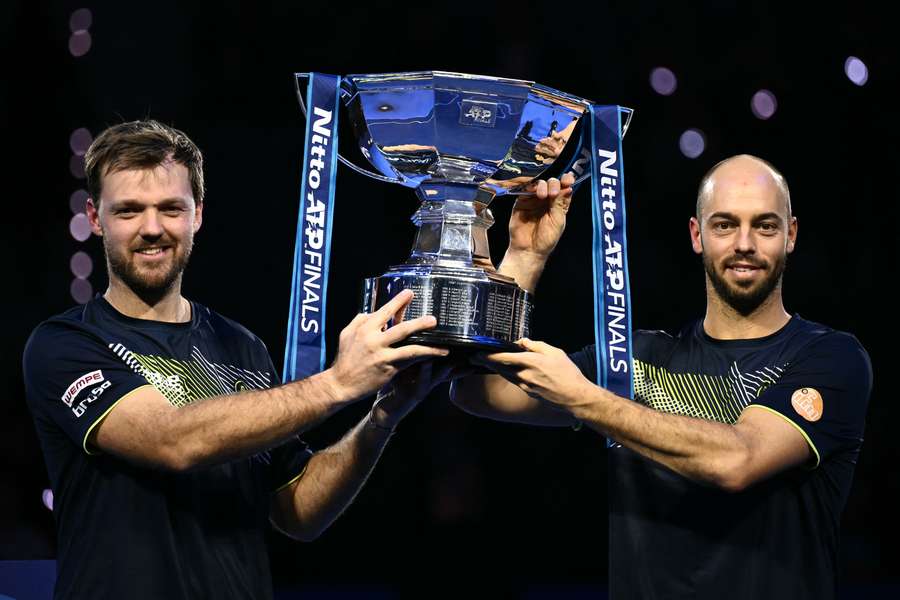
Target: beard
{"x": 150, "y": 283}
{"x": 745, "y": 296}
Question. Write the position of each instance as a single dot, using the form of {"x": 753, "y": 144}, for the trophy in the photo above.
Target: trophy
{"x": 460, "y": 141}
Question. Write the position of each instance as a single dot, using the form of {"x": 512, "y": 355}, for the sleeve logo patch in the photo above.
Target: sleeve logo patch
{"x": 86, "y": 380}
{"x": 808, "y": 403}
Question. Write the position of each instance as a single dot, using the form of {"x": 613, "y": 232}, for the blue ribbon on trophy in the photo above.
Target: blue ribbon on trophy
{"x": 459, "y": 140}
{"x": 612, "y": 291}
{"x": 305, "y": 349}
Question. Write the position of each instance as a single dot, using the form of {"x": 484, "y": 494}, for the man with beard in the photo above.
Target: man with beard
{"x": 731, "y": 466}
{"x": 169, "y": 443}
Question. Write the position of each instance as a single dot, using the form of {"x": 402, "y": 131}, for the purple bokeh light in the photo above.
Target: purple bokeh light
{"x": 80, "y": 141}
{"x": 663, "y": 81}
{"x": 80, "y": 20}
{"x": 692, "y": 143}
{"x": 78, "y": 201}
{"x": 81, "y": 265}
{"x": 80, "y": 227}
{"x": 764, "y": 104}
{"x": 81, "y": 290}
{"x": 79, "y": 43}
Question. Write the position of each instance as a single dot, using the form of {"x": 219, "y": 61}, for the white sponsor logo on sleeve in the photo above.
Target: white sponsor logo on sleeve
{"x": 86, "y": 380}
{"x": 81, "y": 407}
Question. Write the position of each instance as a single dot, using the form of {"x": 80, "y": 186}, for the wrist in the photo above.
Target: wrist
{"x": 336, "y": 393}
{"x": 525, "y": 266}
{"x": 589, "y": 408}
{"x": 379, "y": 420}
{"x": 525, "y": 258}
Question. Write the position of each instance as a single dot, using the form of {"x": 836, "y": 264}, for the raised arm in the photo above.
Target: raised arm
{"x": 535, "y": 227}
{"x": 335, "y": 475}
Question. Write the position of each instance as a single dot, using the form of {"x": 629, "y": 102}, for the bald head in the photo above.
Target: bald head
{"x": 743, "y": 170}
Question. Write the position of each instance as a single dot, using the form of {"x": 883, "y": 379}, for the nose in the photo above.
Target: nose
{"x": 744, "y": 242}
{"x": 151, "y": 226}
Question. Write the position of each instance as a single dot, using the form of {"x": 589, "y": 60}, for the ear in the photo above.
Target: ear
{"x": 696, "y": 239}
{"x": 198, "y": 216}
{"x": 93, "y": 215}
{"x": 792, "y": 235}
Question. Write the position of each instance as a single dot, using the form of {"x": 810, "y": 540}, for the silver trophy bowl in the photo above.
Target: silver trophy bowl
{"x": 459, "y": 140}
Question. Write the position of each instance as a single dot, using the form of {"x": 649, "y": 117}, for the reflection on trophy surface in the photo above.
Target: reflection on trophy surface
{"x": 459, "y": 140}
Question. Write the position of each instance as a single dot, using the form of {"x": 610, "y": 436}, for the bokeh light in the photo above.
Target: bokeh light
{"x": 81, "y": 290}
{"x": 764, "y": 104}
{"x": 692, "y": 143}
{"x": 81, "y": 265}
{"x": 856, "y": 70}
{"x": 79, "y": 43}
{"x": 80, "y": 141}
{"x": 80, "y": 20}
{"x": 80, "y": 227}
{"x": 663, "y": 81}
{"x": 78, "y": 201}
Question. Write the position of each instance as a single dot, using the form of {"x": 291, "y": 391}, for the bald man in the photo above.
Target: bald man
{"x": 732, "y": 464}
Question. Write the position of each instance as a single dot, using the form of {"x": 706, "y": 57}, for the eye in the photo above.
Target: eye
{"x": 722, "y": 226}
{"x": 768, "y": 227}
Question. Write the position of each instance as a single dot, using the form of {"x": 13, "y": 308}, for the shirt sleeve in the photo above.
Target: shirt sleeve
{"x": 73, "y": 379}
{"x": 586, "y": 362}
{"x": 288, "y": 463}
{"x": 824, "y": 393}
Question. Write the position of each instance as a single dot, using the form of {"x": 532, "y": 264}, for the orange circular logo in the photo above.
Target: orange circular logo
{"x": 808, "y": 403}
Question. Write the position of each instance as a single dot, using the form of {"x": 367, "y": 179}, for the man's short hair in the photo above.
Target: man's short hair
{"x": 141, "y": 145}
{"x": 703, "y": 190}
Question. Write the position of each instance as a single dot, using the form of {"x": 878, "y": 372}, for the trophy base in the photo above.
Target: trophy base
{"x": 474, "y": 311}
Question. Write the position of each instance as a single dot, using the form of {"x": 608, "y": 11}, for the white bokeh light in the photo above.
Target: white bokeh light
{"x": 856, "y": 70}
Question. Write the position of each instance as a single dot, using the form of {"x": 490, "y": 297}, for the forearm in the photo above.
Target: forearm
{"x": 332, "y": 480}
{"x": 224, "y": 428}
{"x": 493, "y": 397}
{"x": 704, "y": 451}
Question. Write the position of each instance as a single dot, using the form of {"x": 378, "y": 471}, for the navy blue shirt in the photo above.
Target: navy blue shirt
{"x": 673, "y": 538}
{"x": 131, "y": 531}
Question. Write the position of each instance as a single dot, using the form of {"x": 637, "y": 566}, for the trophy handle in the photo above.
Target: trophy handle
{"x": 344, "y": 93}
{"x": 625, "y": 112}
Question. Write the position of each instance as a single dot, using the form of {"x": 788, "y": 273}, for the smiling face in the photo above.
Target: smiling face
{"x": 147, "y": 219}
{"x": 744, "y": 232}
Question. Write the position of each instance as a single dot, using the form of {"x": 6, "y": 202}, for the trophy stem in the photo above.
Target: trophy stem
{"x": 451, "y": 273}
{"x": 453, "y": 233}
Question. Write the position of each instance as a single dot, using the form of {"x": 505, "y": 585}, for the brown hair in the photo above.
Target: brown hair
{"x": 141, "y": 145}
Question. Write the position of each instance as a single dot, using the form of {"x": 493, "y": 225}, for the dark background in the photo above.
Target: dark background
{"x": 454, "y": 498}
